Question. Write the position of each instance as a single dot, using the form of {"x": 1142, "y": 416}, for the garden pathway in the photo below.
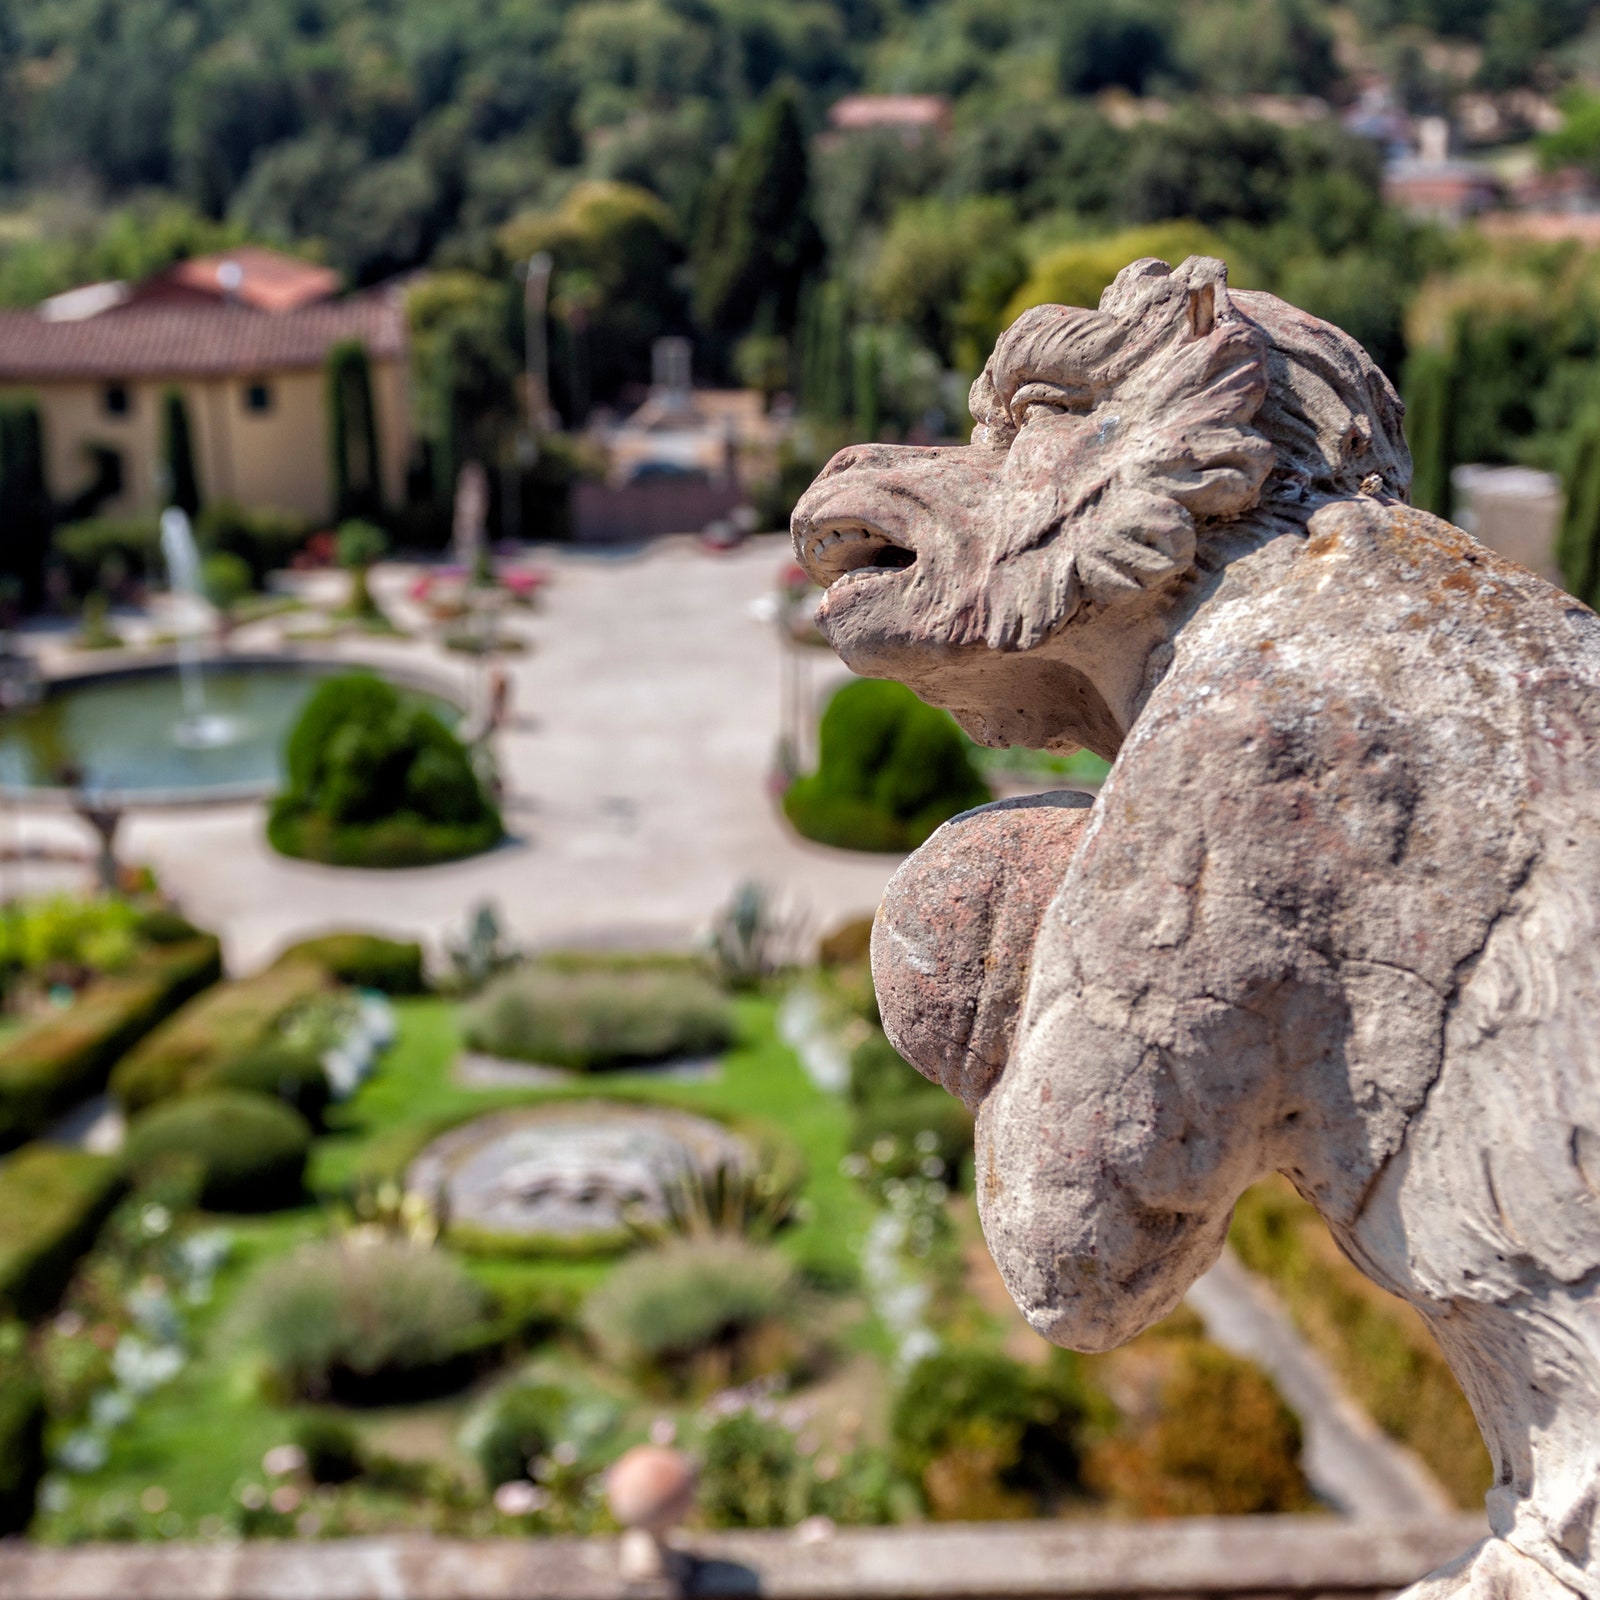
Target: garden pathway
{"x": 644, "y": 723}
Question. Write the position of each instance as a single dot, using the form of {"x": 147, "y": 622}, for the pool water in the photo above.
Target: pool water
{"x": 125, "y": 734}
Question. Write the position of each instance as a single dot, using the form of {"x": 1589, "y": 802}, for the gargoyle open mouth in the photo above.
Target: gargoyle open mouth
{"x": 849, "y": 547}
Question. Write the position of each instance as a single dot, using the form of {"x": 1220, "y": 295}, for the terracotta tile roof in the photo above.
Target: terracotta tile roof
{"x": 268, "y": 280}
{"x": 856, "y": 111}
{"x": 197, "y": 341}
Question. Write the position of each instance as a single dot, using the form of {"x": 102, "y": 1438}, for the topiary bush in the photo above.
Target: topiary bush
{"x": 376, "y": 780}
{"x": 282, "y": 1071}
{"x": 364, "y": 1322}
{"x": 364, "y": 960}
{"x": 890, "y": 770}
{"x": 332, "y": 1448}
{"x": 593, "y": 1015}
{"x": 245, "y": 1152}
{"x": 750, "y": 1474}
{"x": 706, "y": 1311}
{"x": 52, "y": 1202}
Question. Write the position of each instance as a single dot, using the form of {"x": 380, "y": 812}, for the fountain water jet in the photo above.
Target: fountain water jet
{"x": 198, "y": 729}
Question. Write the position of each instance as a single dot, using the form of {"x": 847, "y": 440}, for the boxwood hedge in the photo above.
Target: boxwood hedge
{"x": 63, "y": 1058}
{"x": 52, "y": 1202}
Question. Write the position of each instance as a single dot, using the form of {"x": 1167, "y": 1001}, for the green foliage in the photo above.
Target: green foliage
{"x": 353, "y": 435}
{"x": 362, "y": 1321}
{"x": 22, "y": 1422}
{"x": 891, "y": 769}
{"x": 282, "y": 1071}
{"x": 52, "y": 1202}
{"x": 749, "y": 1474}
{"x": 1578, "y": 542}
{"x": 1431, "y": 397}
{"x": 616, "y": 252}
{"x": 1198, "y": 1432}
{"x": 177, "y": 454}
{"x": 899, "y": 1117}
{"x": 98, "y": 548}
{"x": 264, "y": 539}
{"x": 63, "y": 933}
{"x": 26, "y": 512}
{"x": 1380, "y": 1347}
{"x": 332, "y": 1448}
{"x": 364, "y": 960}
{"x": 244, "y": 1151}
{"x": 709, "y": 1309}
{"x": 359, "y": 544}
{"x": 759, "y": 242}
{"x": 521, "y": 1423}
{"x": 597, "y": 1016}
{"x": 375, "y": 779}
{"x": 983, "y": 1434}
{"x": 225, "y": 1023}
{"x": 52, "y": 1064}
{"x": 226, "y": 579}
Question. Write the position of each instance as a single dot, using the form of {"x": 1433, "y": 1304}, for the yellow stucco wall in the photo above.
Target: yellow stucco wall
{"x": 277, "y": 458}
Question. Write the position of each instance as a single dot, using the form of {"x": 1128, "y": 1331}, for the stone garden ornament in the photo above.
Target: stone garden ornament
{"x": 1335, "y": 912}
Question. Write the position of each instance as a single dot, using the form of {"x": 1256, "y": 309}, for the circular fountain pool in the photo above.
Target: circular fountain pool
{"x": 131, "y": 735}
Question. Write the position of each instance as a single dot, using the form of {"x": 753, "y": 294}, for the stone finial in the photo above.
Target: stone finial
{"x": 1336, "y": 910}
{"x": 650, "y": 1489}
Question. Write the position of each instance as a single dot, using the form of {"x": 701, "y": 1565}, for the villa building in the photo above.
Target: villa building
{"x": 244, "y": 338}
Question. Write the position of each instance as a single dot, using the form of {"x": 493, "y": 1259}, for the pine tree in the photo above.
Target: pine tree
{"x": 1578, "y": 543}
{"x": 1429, "y": 386}
{"x": 177, "y": 452}
{"x": 352, "y": 434}
{"x": 759, "y": 242}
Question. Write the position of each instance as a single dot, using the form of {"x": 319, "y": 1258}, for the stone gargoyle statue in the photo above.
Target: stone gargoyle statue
{"x": 1335, "y": 911}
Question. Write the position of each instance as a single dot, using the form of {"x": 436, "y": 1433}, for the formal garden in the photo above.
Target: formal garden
{"x": 382, "y": 1248}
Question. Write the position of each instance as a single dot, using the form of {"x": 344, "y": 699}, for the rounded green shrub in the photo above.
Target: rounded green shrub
{"x": 890, "y": 770}
{"x": 281, "y": 1071}
{"x": 22, "y": 1421}
{"x": 364, "y": 1321}
{"x": 520, "y": 1424}
{"x": 750, "y": 1474}
{"x": 332, "y": 1448}
{"x": 891, "y": 1101}
{"x": 696, "y": 1303}
{"x": 591, "y": 1017}
{"x": 374, "y": 779}
{"x": 247, "y": 1153}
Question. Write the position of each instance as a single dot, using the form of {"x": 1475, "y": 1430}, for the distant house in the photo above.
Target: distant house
{"x": 910, "y": 115}
{"x": 244, "y": 337}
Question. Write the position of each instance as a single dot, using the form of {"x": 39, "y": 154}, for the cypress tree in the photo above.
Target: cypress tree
{"x": 759, "y": 242}
{"x": 1578, "y": 542}
{"x": 1429, "y": 384}
{"x": 352, "y": 434}
{"x": 26, "y": 511}
{"x": 177, "y": 451}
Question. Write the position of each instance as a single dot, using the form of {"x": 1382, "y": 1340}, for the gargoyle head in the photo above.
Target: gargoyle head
{"x": 1020, "y": 580}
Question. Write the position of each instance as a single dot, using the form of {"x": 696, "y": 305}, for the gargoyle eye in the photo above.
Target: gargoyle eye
{"x": 1037, "y": 401}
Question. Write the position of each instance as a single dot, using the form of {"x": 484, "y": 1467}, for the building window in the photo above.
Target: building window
{"x": 258, "y": 397}
{"x": 117, "y": 399}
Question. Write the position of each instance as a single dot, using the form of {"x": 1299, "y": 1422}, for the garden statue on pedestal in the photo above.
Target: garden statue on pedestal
{"x": 1336, "y": 911}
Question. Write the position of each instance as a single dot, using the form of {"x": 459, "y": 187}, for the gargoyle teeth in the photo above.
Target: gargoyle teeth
{"x": 838, "y": 551}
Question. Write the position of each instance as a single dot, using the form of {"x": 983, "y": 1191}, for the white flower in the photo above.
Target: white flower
{"x": 109, "y": 1409}
{"x": 520, "y": 1499}
{"x": 82, "y": 1452}
{"x": 141, "y": 1368}
{"x": 282, "y": 1459}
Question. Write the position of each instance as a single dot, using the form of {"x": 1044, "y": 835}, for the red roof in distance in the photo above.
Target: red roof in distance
{"x": 859, "y": 111}
{"x": 264, "y": 280}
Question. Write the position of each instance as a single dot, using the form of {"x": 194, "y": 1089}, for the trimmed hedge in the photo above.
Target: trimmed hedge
{"x": 22, "y": 1418}
{"x": 52, "y": 1202}
{"x": 62, "y": 1059}
{"x": 890, "y": 1099}
{"x": 364, "y": 960}
{"x": 891, "y": 769}
{"x": 244, "y": 1151}
{"x": 229, "y": 1021}
{"x": 280, "y": 1071}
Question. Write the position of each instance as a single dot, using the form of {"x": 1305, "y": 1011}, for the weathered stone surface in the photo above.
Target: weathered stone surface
{"x": 1215, "y": 1557}
{"x": 1336, "y": 911}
